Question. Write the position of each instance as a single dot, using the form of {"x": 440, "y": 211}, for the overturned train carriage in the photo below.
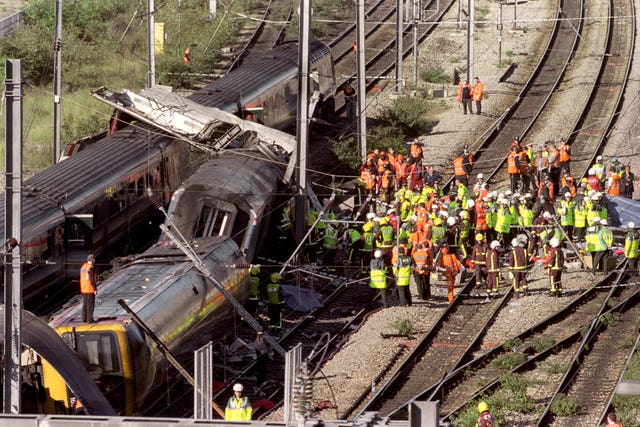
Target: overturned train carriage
{"x": 223, "y": 210}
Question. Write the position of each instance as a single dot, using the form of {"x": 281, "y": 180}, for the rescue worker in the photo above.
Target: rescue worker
{"x": 546, "y": 196}
{"x": 555, "y": 263}
{"x": 187, "y": 57}
{"x": 276, "y": 301}
{"x": 493, "y": 268}
{"x": 385, "y": 238}
{"x": 513, "y": 167}
{"x": 479, "y": 259}
{"x": 402, "y": 272}
{"x": 567, "y": 214}
{"x": 350, "y": 101}
{"x": 579, "y": 221}
{"x": 329, "y": 246}
{"x": 262, "y": 359}
{"x": 378, "y": 275}
{"x": 431, "y": 176}
{"x": 593, "y": 182}
{"x": 503, "y": 221}
{"x": 564, "y": 155}
{"x": 612, "y": 420}
{"x": 88, "y": 288}
{"x": 238, "y": 407}
{"x": 614, "y": 183}
{"x": 369, "y": 238}
{"x": 518, "y": 265}
{"x": 631, "y": 245}
{"x": 462, "y": 168}
{"x": 254, "y": 290}
{"x": 478, "y": 91}
{"x": 606, "y": 236}
{"x": 486, "y": 419}
{"x": 599, "y": 169}
{"x": 465, "y": 96}
{"x": 450, "y": 266}
{"x": 422, "y": 261}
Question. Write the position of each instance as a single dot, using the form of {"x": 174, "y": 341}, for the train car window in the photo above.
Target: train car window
{"x": 78, "y": 230}
{"x": 98, "y": 351}
{"x": 212, "y": 222}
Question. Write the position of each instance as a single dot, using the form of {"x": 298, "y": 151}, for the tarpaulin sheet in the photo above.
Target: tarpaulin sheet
{"x": 622, "y": 210}
{"x": 301, "y": 299}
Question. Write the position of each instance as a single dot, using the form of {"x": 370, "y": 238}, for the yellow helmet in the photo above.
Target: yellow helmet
{"x": 275, "y": 277}
{"x": 367, "y": 227}
{"x": 384, "y": 220}
{"x": 254, "y": 269}
{"x": 479, "y": 237}
{"x": 437, "y": 221}
{"x": 483, "y": 407}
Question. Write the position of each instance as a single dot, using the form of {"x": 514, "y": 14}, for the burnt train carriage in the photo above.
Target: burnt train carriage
{"x": 224, "y": 210}
{"x": 266, "y": 90}
{"x": 94, "y": 202}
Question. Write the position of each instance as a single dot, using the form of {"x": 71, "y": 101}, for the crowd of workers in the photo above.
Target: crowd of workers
{"x": 427, "y": 232}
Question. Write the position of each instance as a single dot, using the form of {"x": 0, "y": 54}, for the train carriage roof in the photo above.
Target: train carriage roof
{"x": 68, "y": 185}
{"x": 244, "y": 83}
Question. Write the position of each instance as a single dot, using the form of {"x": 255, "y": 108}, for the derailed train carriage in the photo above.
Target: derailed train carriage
{"x": 223, "y": 210}
{"x": 95, "y": 202}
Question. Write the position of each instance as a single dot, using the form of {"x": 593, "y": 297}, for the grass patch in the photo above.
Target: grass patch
{"x": 434, "y": 75}
{"x": 540, "y": 344}
{"x": 608, "y": 319}
{"x": 625, "y": 343}
{"x": 553, "y": 368}
{"x": 403, "y": 326}
{"x": 564, "y": 406}
{"x": 508, "y": 361}
{"x": 512, "y": 343}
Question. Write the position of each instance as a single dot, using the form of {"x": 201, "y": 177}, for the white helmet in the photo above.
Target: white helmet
{"x": 464, "y": 214}
{"x": 507, "y": 193}
{"x": 603, "y": 221}
{"x": 595, "y": 196}
{"x": 480, "y": 176}
{"x": 568, "y": 194}
{"x": 495, "y": 244}
{"x": 546, "y": 215}
{"x": 522, "y": 239}
{"x": 238, "y": 387}
{"x": 599, "y": 158}
{"x": 414, "y": 218}
{"x": 470, "y": 204}
{"x": 371, "y": 215}
{"x": 554, "y": 242}
{"x": 591, "y": 171}
{"x": 514, "y": 242}
{"x": 516, "y": 195}
{"x": 631, "y": 224}
{"x": 451, "y": 220}
{"x": 390, "y": 211}
{"x": 377, "y": 253}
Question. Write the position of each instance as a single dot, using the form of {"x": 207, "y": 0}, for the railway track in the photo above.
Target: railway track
{"x": 453, "y": 338}
{"x": 595, "y": 368}
{"x": 550, "y": 343}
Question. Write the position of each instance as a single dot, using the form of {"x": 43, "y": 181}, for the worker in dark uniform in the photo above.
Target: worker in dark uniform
{"x": 262, "y": 359}
{"x": 479, "y": 259}
{"x": 349, "y": 101}
{"x": 276, "y": 301}
{"x": 493, "y": 268}
{"x": 465, "y": 96}
{"x": 486, "y": 419}
{"x": 555, "y": 264}
{"x": 518, "y": 266}
{"x": 88, "y": 288}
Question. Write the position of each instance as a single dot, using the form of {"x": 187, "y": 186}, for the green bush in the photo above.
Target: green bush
{"x": 608, "y": 319}
{"x": 512, "y": 343}
{"x": 434, "y": 75}
{"x": 540, "y": 344}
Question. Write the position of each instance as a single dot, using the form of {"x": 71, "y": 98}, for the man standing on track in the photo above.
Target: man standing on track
{"x": 478, "y": 91}
{"x": 465, "y": 96}
{"x": 88, "y": 286}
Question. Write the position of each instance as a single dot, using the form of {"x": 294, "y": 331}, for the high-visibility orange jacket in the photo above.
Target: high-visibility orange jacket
{"x": 458, "y": 167}
{"x": 481, "y": 217}
{"x": 478, "y": 91}
{"x": 522, "y": 159}
{"x": 416, "y": 151}
{"x": 87, "y": 279}
{"x": 615, "y": 185}
{"x": 513, "y": 163}
{"x": 450, "y": 264}
{"x": 367, "y": 177}
{"x": 564, "y": 153}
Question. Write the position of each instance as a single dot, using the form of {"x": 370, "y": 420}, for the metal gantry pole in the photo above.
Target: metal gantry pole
{"x": 416, "y": 16}
{"x": 13, "y": 235}
{"x": 470, "y": 26}
{"x": 399, "y": 34}
{"x": 57, "y": 83}
{"x": 302, "y": 130}
{"x": 151, "y": 36}
{"x": 362, "y": 82}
